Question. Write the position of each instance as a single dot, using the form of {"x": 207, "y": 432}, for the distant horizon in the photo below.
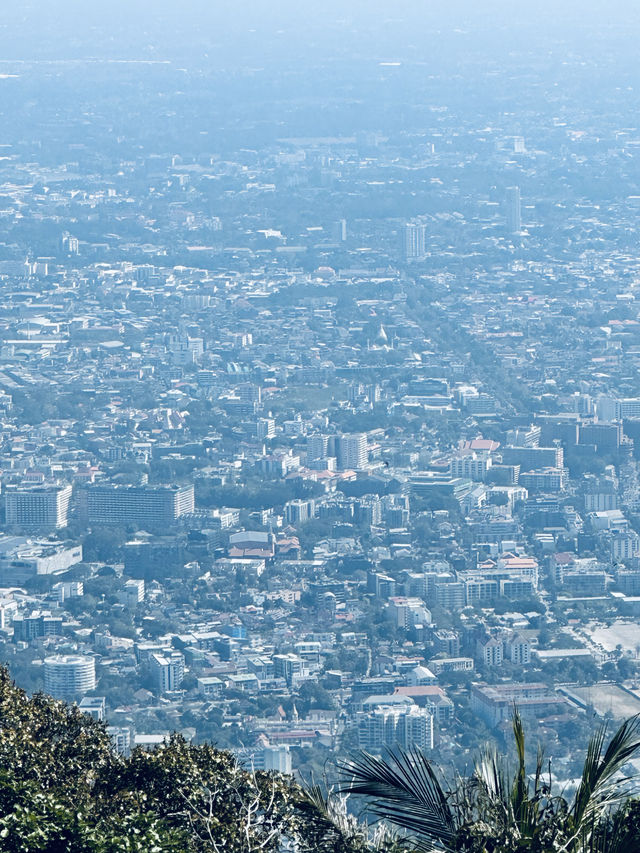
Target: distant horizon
{"x": 73, "y": 28}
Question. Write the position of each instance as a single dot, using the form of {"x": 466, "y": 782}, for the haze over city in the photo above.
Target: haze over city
{"x": 320, "y": 374}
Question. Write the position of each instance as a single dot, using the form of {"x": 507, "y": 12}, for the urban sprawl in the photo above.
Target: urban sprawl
{"x": 321, "y": 427}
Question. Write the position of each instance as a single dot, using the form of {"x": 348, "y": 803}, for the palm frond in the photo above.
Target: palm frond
{"x": 334, "y": 828}
{"x": 523, "y": 808}
{"x": 490, "y": 774}
{"x": 403, "y": 789}
{"x": 598, "y": 787}
{"x": 328, "y": 813}
{"x": 539, "y": 767}
{"x": 519, "y": 791}
{"x": 315, "y": 798}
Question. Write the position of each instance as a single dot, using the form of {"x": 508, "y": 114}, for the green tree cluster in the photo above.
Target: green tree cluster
{"x": 64, "y": 789}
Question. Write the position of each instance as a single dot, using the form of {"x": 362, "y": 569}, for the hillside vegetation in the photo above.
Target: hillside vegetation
{"x": 63, "y": 789}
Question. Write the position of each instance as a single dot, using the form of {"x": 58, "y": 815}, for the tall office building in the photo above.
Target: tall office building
{"x": 70, "y": 244}
{"x": 299, "y": 511}
{"x": 94, "y": 706}
{"x": 37, "y": 506}
{"x": 267, "y": 758}
{"x": 69, "y": 676}
{"x": 352, "y": 451}
{"x": 154, "y": 557}
{"x": 152, "y": 507}
{"x": 514, "y": 210}
{"x": 121, "y": 739}
{"x": 415, "y": 240}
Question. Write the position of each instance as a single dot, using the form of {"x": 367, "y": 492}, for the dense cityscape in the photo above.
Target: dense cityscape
{"x": 320, "y": 383}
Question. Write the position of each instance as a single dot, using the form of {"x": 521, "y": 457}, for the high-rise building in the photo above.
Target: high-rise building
{"x": 606, "y": 436}
{"x": 298, "y": 511}
{"x": 368, "y": 510}
{"x": 145, "y": 272}
{"x": 64, "y": 590}
{"x": 288, "y": 666}
{"x": 317, "y": 447}
{"x": 533, "y": 458}
{"x": 415, "y": 240}
{"x": 524, "y": 437}
{"x": 22, "y": 559}
{"x": 94, "y": 706}
{"x": 38, "y": 506}
{"x": 490, "y": 651}
{"x": 154, "y": 557}
{"x": 120, "y": 738}
{"x": 152, "y": 507}
{"x": 70, "y": 244}
{"x": 167, "y": 670}
{"x": 132, "y": 594}
{"x": 407, "y": 726}
{"x": 36, "y": 624}
{"x": 446, "y": 643}
{"x": 494, "y": 703}
{"x": 514, "y": 210}
{"x": 352, "y": 451}
{"x": 265, "y": 428}
{"x": 249, "y": 393}
{"x": 69, "y": 676}
{"x": 519, "y": 650}
{"x": 613, "y": 409}
{"x": 472, "y": 466}
{"x": 451, "y": 595}
{"x": 267, "y": 758}
{"x": 381, "y": 585}
{"x": 340, "y": 230}
{"x": 277, "y": 758}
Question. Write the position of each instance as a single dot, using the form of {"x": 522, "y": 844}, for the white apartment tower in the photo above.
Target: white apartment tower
{"x": 167, "y": 670}
{"x": 352, "y": 451}
{"x": 69, "y": 676}
{"x": 317, "y": 447}
{"x": 415, "y": 240}
{"x": 514, "y": 210}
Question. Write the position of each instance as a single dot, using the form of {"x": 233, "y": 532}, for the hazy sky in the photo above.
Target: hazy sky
{"x": 63, "y": 28}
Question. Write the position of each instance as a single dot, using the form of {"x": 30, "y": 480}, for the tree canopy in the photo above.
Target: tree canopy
{"x": 64, "y": 788}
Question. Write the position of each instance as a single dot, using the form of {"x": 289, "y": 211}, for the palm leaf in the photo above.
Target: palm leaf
{"x": 403, "y": 789}
{"x": 599, "y": 789}
{"x": 329, "y": 818}
{"x": 491, "y": 787}
{"x": 334, "y": 829}
{"x": 520, "y": 788}
{"x": 538, "y": 786}
{"x": 490, "y": 776}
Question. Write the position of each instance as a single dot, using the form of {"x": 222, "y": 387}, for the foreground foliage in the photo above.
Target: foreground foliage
{"x": 504, "y": 810}
{"x": 62, "y": 788}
